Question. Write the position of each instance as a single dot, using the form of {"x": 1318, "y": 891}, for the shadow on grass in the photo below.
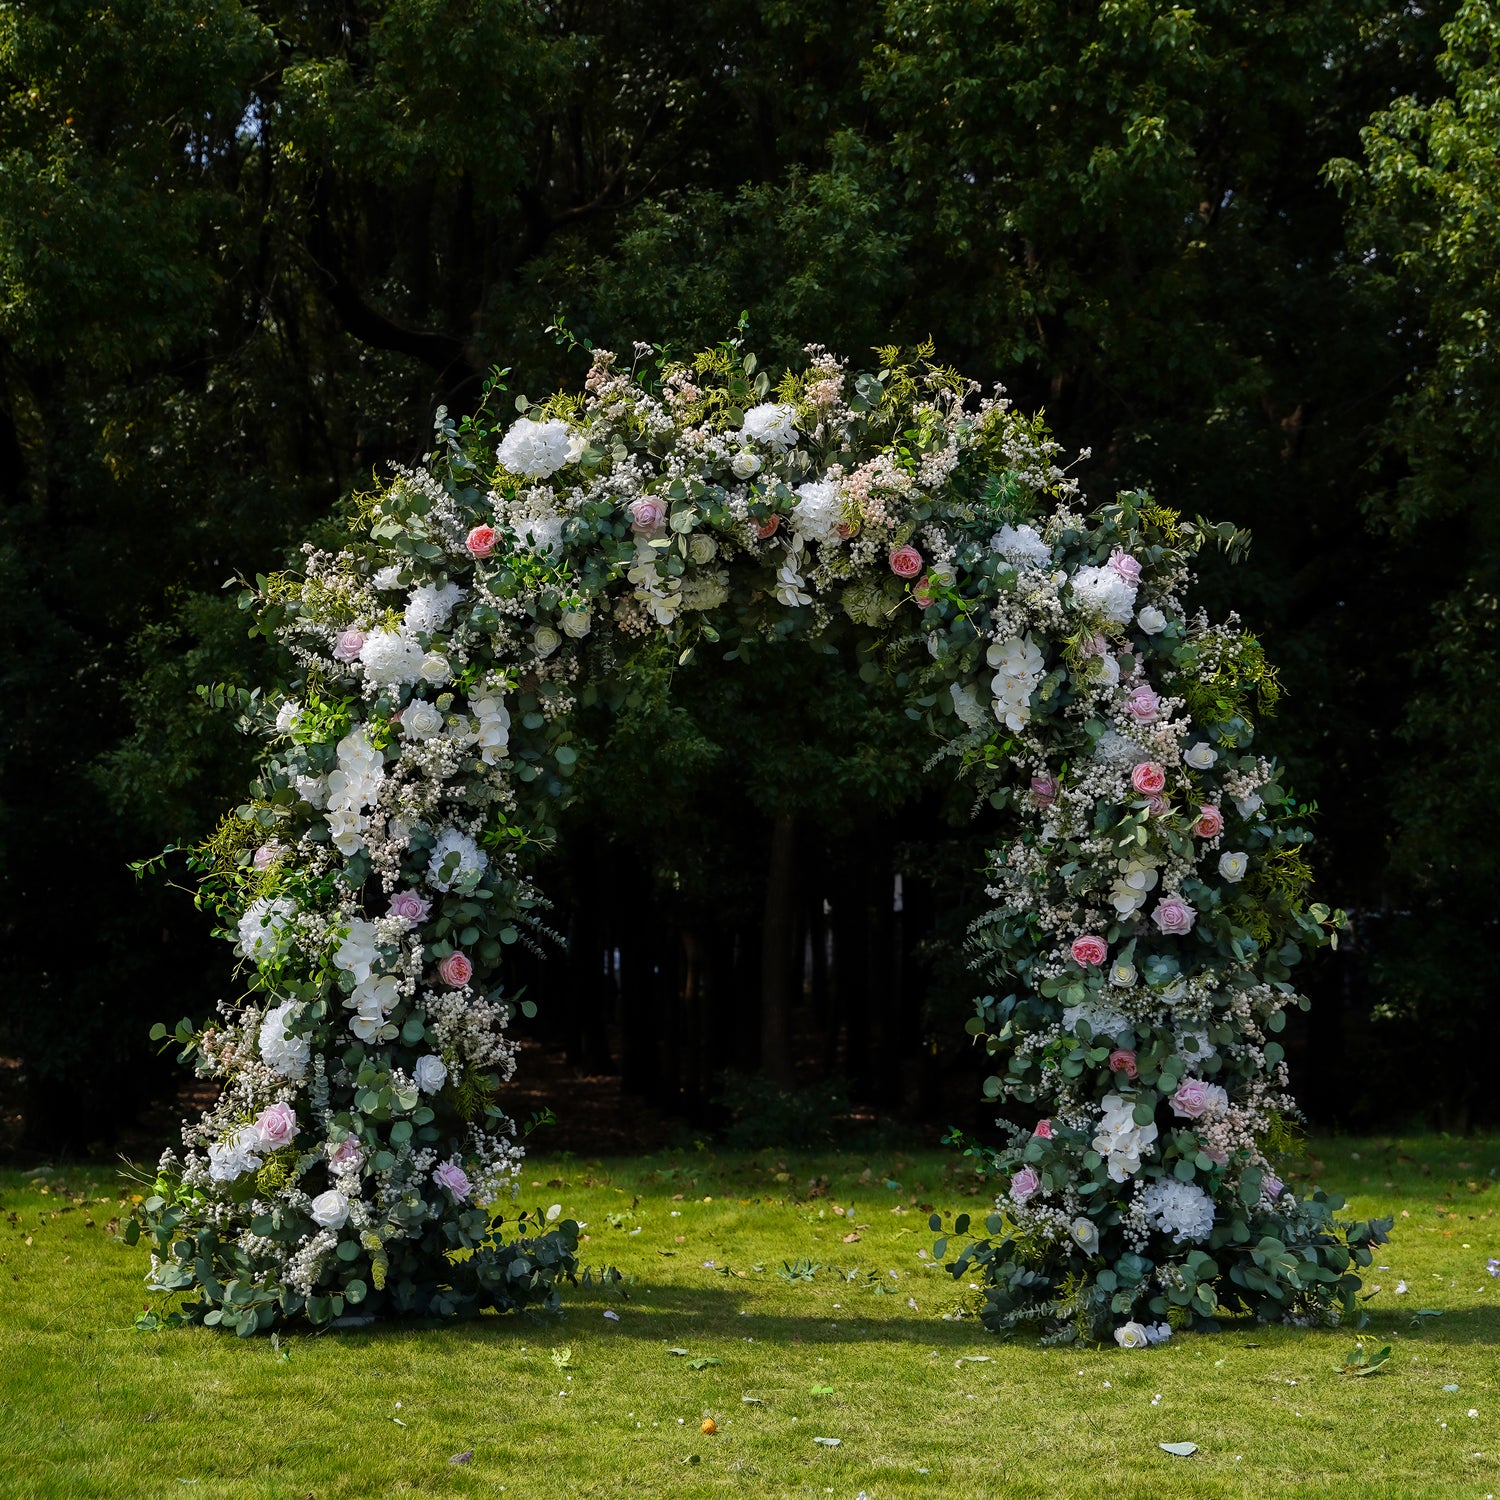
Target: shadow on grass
{"x": 677, "y": 1314}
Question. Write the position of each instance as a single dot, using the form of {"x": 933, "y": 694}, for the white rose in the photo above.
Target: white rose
{"x": 311, "y": 789}
{"x": 1249, "y": 806}
{"x": 545, "y": 640}
{"x": 1131, "y": 1336}
{"x": 701, "y": 549}
{"x": 1151, "y": 620}
{"x": 1122, "y": 973}
{"x": 1085, "y": 1234}
{"x": 420, "y": 720}
{"x": 330, "y": 1210}
{"x": 1201, "y": 756}
{"x": 1109, "y": 671}
{"x": 744, "y": 465}
{"x": 576, "y": 623}
{"x": 430, "y": 1073}
{"x": 1232, "y": 866}
{"x": 436, "y": 668}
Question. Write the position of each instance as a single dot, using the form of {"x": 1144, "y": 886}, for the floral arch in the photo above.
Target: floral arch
{"x": 1146, "y": 904}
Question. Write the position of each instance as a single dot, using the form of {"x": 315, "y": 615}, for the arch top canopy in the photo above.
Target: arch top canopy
{"x": 1145, "y": 904}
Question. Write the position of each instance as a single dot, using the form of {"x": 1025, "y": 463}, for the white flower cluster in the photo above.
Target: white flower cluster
{"x": 1179, "y": 1209}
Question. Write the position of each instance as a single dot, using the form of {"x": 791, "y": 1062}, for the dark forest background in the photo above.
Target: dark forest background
{"x": 1247, "y": 254}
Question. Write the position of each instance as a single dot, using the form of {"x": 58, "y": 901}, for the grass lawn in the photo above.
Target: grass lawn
{"x": 920, "y": 1403}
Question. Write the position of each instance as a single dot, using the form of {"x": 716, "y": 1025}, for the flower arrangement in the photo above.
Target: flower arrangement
{"x": 1147, "y": 904}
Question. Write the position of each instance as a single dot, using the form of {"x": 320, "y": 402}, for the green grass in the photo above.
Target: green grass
{"x": 921, "y": 1405}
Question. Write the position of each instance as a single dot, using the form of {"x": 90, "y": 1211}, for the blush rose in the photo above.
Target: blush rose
{"x": 906, "y": 562}
{"x": 456, "y": 970}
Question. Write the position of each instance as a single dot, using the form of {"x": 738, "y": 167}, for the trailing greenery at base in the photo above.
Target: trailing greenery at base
{"x": 458, "y": 1270}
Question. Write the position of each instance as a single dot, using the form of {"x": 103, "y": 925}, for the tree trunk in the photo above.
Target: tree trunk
{"x": 779, "y": 954}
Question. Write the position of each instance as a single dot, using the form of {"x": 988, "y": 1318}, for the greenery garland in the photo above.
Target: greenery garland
{"x": 1148, "y": 902}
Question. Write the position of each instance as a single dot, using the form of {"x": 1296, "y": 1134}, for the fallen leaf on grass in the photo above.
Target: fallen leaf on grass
{"x": 1362, "y": 1362}
{"x": 756, "y": 1401}
{"x": 976, "y": 1359}
{"x": 828, "y": 1442}
{"x": 563, "y": 1358}
{"x": 678, "y": 1352}
{"x": 820, "y": 1390}
{"x": 692, "y": 1458}
{"x": 611, "y": 1315}
{"x": 1180, "y": 1450}
{"x": 851, "y": 1237}
{"x": 462, "y": 1458}
{"x": 704, "y": 1362}
{"x": 1450, "y": 1387}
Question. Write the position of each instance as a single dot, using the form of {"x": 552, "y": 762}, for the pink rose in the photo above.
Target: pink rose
{"x": 1089, "y": 950}
{"x": 264, "y": 856}
{"x": 1044, "y": 790}
{"x": 1125, "y": 566}
{"x": 348, "y": 646}
{"x": 456, "y": 970}
{"x": 923, "y": 593}
{"x": 1043, "y": 1131}
{"x": 845, "y": 530}
{"x": 451, "y": 1176}
{"x": 1192, "y": 1098}
{"x": 1122, "y": 1060}
{"x": 1210, "y": 823}
{"x": 346, "y": 1156}
{"x": 1156, "y": 804}
{"x": 647, "y": 517}
{"x": 410, "y": 907}
{"x": 481, "y": 541}
{"x": 276, "y": 1126}
{"x": 906, "y": 562}
{"x": 1173, "y": 916}
{"x": 1094, "y": 646}
{"x": 1272, "y": 1186}
{"x": 1143, "y": 705}
{"x": 766, "y": 528}
{"x": 1149, "y": 777}
{"x": 1024, "y": 1184}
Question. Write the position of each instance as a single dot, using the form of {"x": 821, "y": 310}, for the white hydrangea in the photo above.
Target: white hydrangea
{"x": 471, "y": 858}
{"x": 1120, "y": 1140}
{"x": 771, "y": 424}
{"x": 1021, "y": 546}
{"x": 1179, "y": 1209}
{"x": 493, "y": 719}
{"x": 391, "y": 658}
{"x": 1115, "y": 752}
{"x": 236, "y": 1156}
{"x": 387, "y": 578}
{"x": 284, "y": 1054}
{"x": 536, "y": 450}
{"x": 705, "y": 591}
{"x": 1103, "y": 592}
{"x": 967, "y": 706}
{"x": 544, "y": 532}
{"x": 1192, "y": 1043}
{"x": 1102, "y": 1020}
{"x": 818, "y": 512}
{"x": 359, "y": 951}
{"x": 1020, "y": 667}
{"x": 265, "y": 928}
{"x": 311, "y": 789}
{"x": 428, "y": 609}
{"x": 288, "y": 716}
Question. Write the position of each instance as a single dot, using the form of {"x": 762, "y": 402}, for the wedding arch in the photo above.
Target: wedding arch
{"x": 1145, "y": 905}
